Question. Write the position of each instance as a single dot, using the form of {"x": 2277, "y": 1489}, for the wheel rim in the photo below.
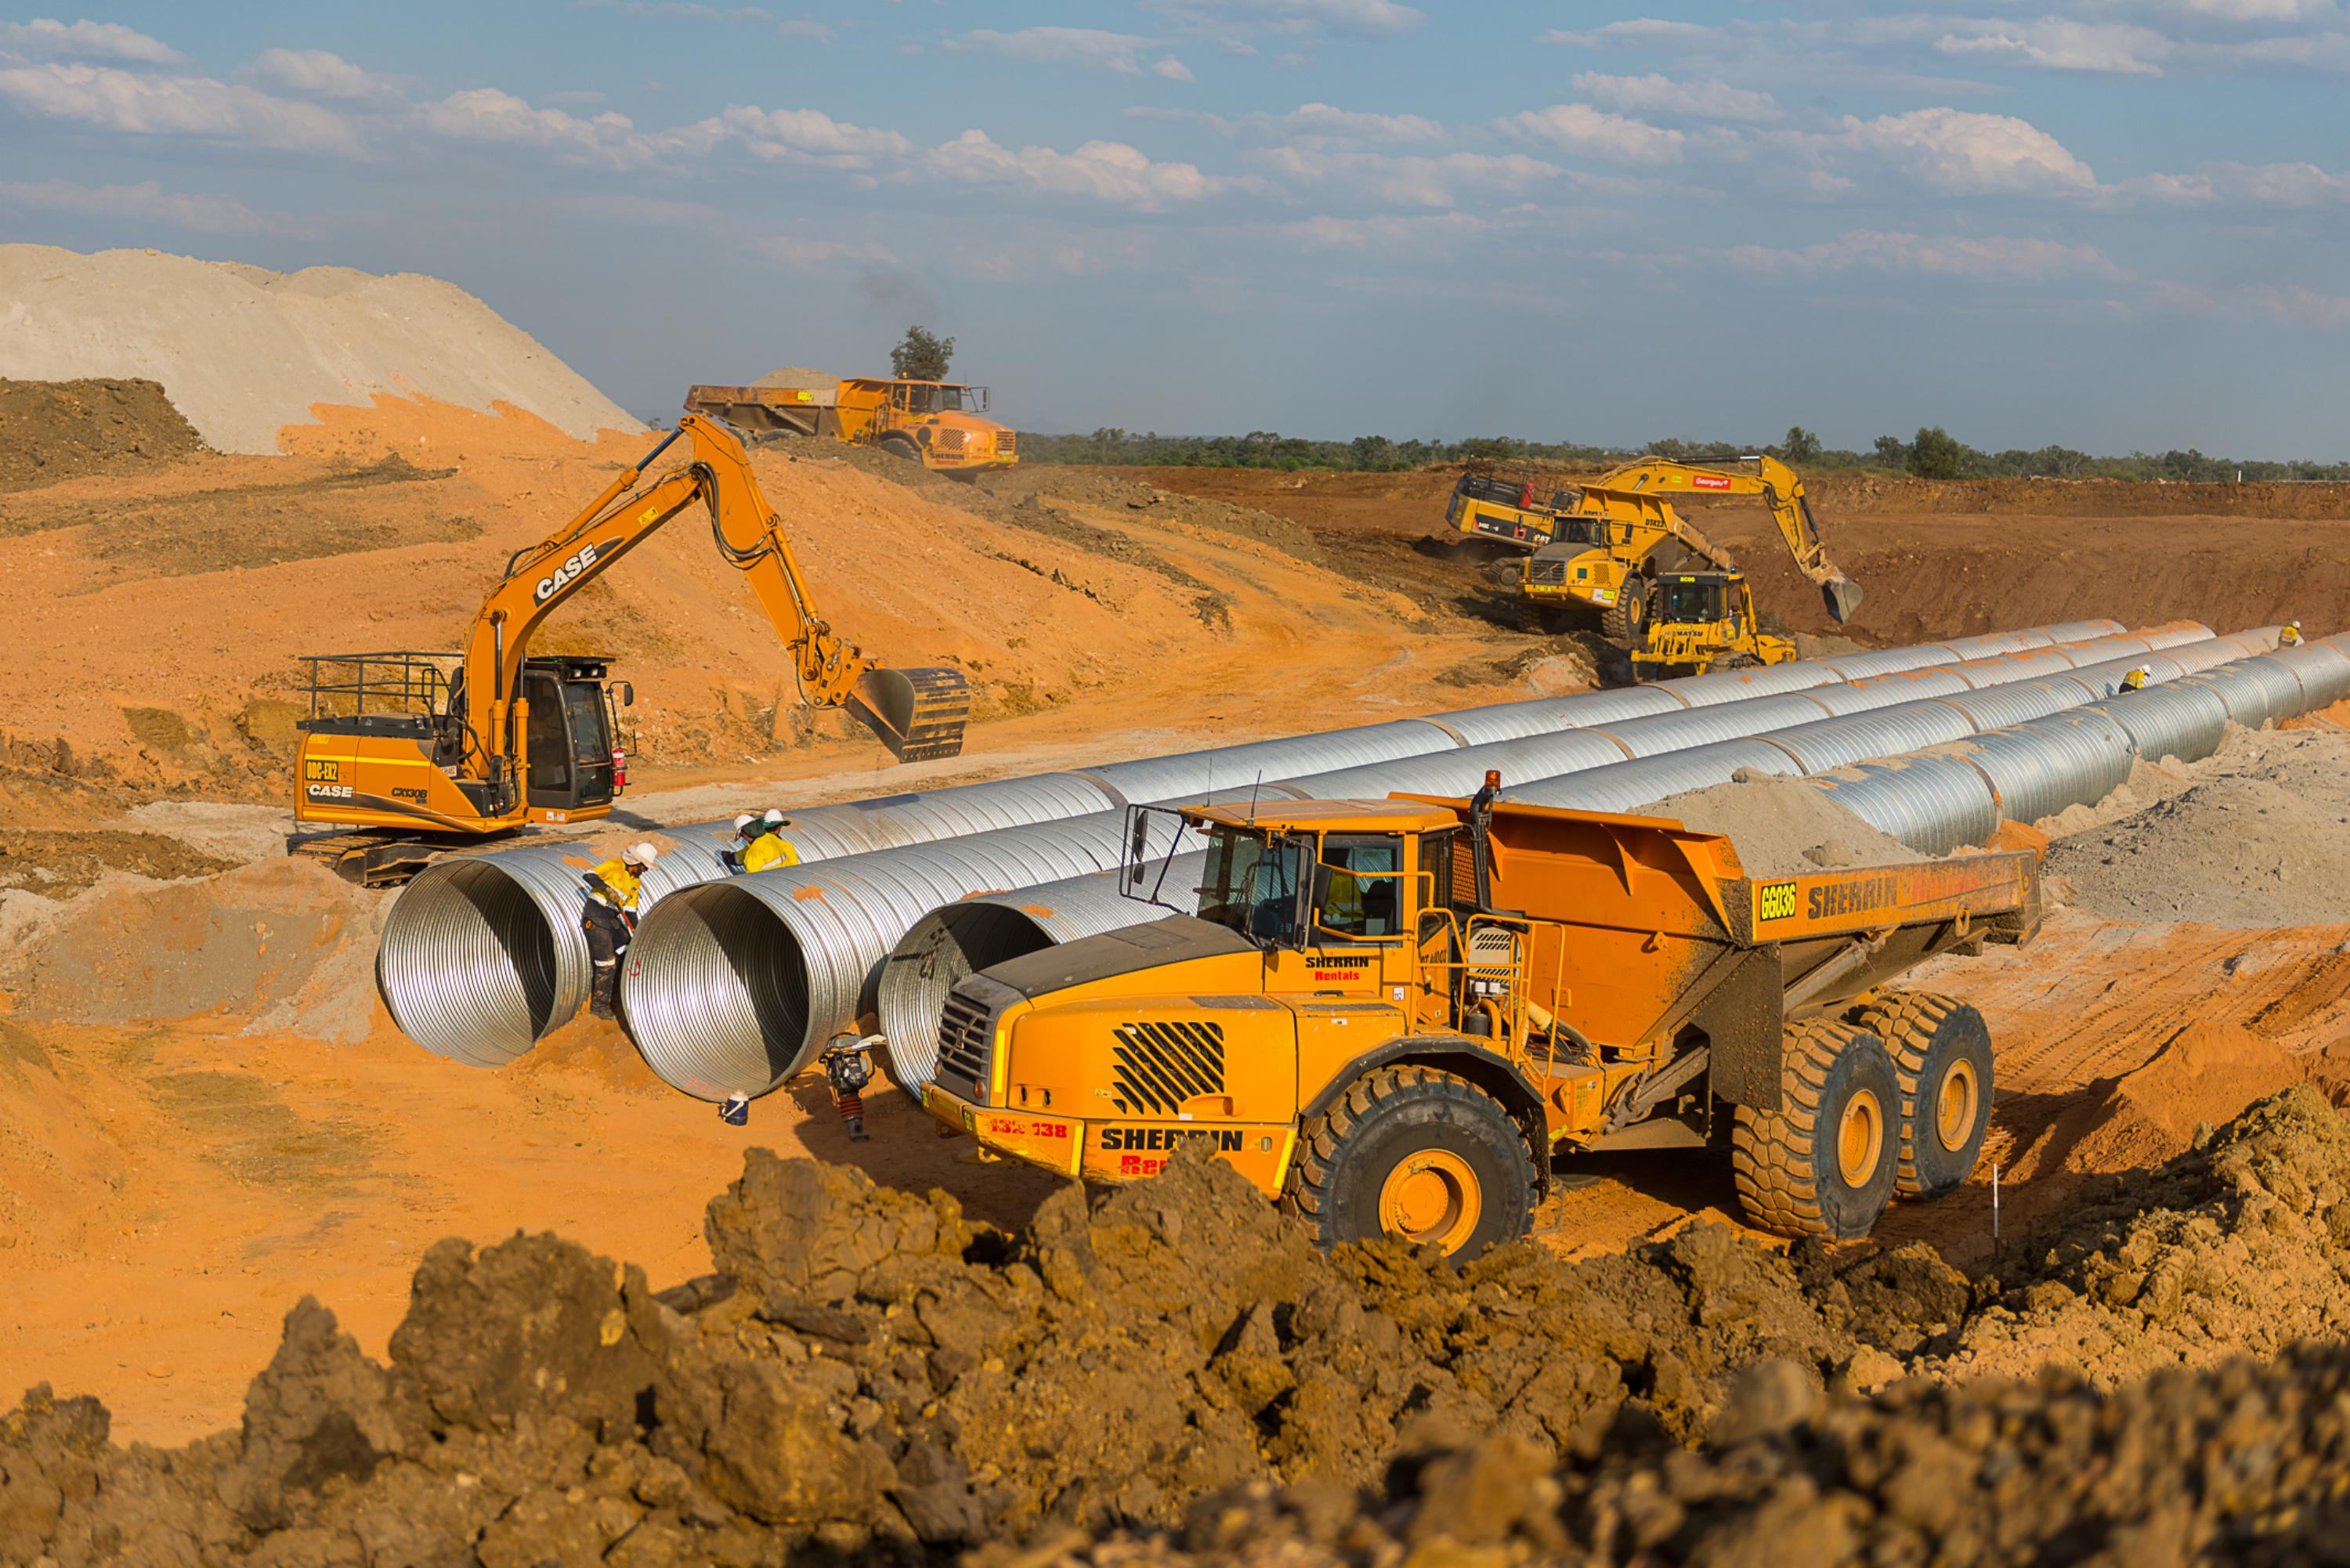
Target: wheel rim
{"x": 1954, "y": 1105}
{"x": 1432, "y": 1197}
{"x": 1860, "y": 1138}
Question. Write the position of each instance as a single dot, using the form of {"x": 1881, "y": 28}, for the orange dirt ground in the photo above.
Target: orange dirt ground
{"x": 168, "y": 1188}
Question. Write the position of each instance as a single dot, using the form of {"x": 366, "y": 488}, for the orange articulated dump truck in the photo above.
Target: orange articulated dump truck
{"x": 941, "y": 425}
{"x": 1392, "y": 1015}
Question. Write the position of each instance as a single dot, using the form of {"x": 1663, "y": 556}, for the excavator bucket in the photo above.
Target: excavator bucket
{"x": 1843, "y": 597}
{"x": 918, "y": 714}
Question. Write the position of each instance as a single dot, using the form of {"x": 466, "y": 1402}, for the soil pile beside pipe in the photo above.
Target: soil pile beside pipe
{"x": 1781, "y": 826}
{"x": 54, "y": 431}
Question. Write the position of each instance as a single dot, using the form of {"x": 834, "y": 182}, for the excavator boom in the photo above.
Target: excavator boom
{"x": 1774, "y": 481}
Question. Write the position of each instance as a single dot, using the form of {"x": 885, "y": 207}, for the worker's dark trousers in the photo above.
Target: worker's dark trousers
{"x": 608, "y": 943}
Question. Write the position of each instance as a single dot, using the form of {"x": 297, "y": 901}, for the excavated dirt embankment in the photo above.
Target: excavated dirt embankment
{"x": 872, "y": 1375}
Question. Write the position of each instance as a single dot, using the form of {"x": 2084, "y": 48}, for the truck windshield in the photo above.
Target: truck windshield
{"x": 1689, "y": 602}
{"x": 940, "y": 399}
{"x": 1252, "y": 885}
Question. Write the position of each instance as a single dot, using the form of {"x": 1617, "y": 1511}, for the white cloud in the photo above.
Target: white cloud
{"x": 2249, "y": 184}
{"x": 1058, "y": 45}
{"x": 1173, "y": 69}
{"x": 821, "y": 255}
{"x": 1963, "y": 153}
{"x": 686, "y": 11}
{"x": 1233, "y": 49}
{"x": 1589, "y": 132}
{"x": 490, "y": 117}
{"x": 1635, "y": 32}
{"x": 86, "y": 40}
{"x": 1654, "y": 94}
{"x": 1359, "y": 18}
{"x": 1321, "y": 120}
{"x": 1994, "y": 257}
{"x": 145, "y": 203}
{"x": 796, "y": 135}
{"x": 144, "y": 105}
{"x": 802, "y": 27}
{"x": 1449, "y": 180}
{"x": 315, "y": 73}
{"x": 1098, "y": 170}
{"x": 2055, "y": 43}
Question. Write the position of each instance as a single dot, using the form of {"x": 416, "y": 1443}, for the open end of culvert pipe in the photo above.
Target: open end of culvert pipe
{"x": 468, "y": 968}
{"x": 944, "y": 946}
{"x": 730, "y": 1015}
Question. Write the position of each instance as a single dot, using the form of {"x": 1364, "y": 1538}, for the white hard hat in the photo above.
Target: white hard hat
{"x": 746, "y": 820}
{"x": 773, "y": 819}
{"x": 639, "y": 855}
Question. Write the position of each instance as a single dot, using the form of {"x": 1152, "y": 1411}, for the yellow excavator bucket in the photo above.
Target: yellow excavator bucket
{"x": 918, "y": 713}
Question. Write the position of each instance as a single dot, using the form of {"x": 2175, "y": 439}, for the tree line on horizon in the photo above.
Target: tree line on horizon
{"x": 1932, "y": 453}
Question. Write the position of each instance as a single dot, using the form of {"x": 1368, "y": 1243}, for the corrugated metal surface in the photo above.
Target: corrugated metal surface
{"x": 1629, "y": 786}
{"x": 1462, "y": 772}
{"x": 2172, "y": 633}
{"x": 734, "y": 986}
{"x": 986, "y": 928}
{"x": 1997, "y": 642}
{"x": 1701, "y": 726}
{"x": 1539, "y": 716}
{"x": 2039, "y": 768}
{"x": 2257, "y": 691}
{"x": 1737, "y": 685}
{"x": 1907, "y": 686}
{"x": 1996, "y": 707}
{"x": 2323, "y": 669}
{"x": 1193, "y": 773}
{"x": 469, "y": 967}
{"x": 2082, "y": 630}
{"x": 1907, "y": 727}
{"x": 2177, "y": 719}
{"x": 1889, "y": 660}
{"x": 2105, "y": 679}
{"x": 2005, "y": 669}
{"x": 1931, "y": 803}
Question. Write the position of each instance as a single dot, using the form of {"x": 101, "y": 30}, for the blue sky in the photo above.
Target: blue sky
{"x": 2111, "y": 223}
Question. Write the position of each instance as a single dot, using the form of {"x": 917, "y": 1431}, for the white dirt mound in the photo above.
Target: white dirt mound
{"x": 244, "y": 351}
{"x": 1781, "y": 826}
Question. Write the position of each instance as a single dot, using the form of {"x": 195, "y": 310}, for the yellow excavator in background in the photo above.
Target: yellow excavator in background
{"x": 419, "y": 754}
{"x": 1601, "y": 545}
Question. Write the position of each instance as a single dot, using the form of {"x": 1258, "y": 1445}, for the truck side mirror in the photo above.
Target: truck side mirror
{"x": 1137, "y": 845}
{"x": 1316, "y": 893}
{"x": 628, "y": 695}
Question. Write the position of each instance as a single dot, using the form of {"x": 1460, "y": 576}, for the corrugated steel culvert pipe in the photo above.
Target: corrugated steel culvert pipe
{"x": 483, "y": 955}
{"x": 694, "y": 985}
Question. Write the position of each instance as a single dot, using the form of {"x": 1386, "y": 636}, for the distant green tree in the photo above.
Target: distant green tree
{"x": 1800, "y": 447}
{"x": 1936, "y": 454}
{"x": 924, "y": 356}
{"x": 1892, "y": 451}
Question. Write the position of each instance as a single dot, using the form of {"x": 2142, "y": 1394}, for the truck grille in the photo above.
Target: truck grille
{"x": 966, "y": 1045}
{"x": 1007, "y": 444}
{"x": 1158, "y": 1066}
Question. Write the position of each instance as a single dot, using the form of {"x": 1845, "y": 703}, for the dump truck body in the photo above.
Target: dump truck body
{"x": 940, "y": 424}
{"x": 1590, "y": 981}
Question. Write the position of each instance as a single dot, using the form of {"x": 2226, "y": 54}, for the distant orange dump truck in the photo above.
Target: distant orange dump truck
{"x": 939, "y": 425}
{"x": 1392, "y": 1014}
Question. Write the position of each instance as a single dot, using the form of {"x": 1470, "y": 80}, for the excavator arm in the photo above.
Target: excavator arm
{"x": 918, "y": 714}
{"x": 1772, "y": 480}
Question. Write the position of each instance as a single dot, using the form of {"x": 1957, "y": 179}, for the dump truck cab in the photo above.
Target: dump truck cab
{"x": 1390, "y": 1015}
{"x": 1695, "y": 620}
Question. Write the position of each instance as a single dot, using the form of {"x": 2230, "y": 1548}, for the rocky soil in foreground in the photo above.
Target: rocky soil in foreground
{"x": 1170, "y": 1371}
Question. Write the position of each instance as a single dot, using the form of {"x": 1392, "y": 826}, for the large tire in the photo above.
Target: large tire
{"x": 1942, "y": 1059}
{"x": 1414, "y": 1152}
{"x": 1624, "y": 623}
{"x": 1823, "y": 1163}
{"x": 900, "y": 446}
